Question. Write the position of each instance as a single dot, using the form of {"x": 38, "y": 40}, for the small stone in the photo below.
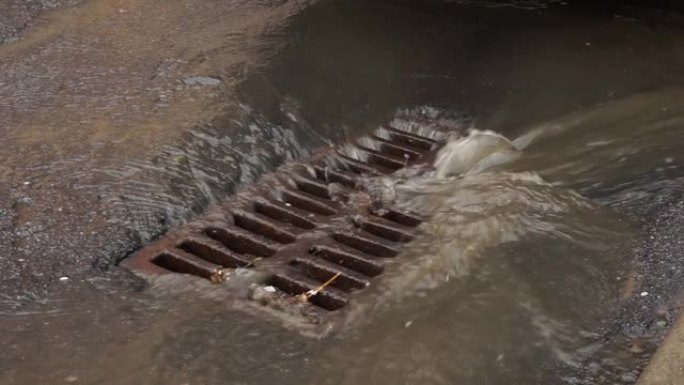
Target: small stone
{"x": 408, "y": 324}
{"x": 644, "y": 293}
{"x": 270, "y": 289}
{"x": 71, "y": 379}
{"x": 64, "y": 278}
{"x": 258, "y": 294}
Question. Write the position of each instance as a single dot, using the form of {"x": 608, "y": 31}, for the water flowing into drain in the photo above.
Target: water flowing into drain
{"x": 321, "y": 230}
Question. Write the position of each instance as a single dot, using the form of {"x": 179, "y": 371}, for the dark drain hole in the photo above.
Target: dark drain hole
{"x": 409, "y": 139}
{"x": 307, "y": 203}
{"x": 282, "y": 214}
{"x": 313, "y": 187}
{"x": 388, "y": 232}
{"x": 405, "y": 219}
{"x": 211, "y": 254}
{"x": 380, "y": 159}
{"x": 326, "y": 174}
{"x": 361, "y": 167}
{"x": 322, "y": 271}
{"x": 366, "y": 245}
{"x": 396, "y": 149}
{"x": 181, "y": 265}
{"x": 329, "y": 299}
{"x": 262, "y": 227}
{"x": 240, "y": 243}
{"x": 364, "y": 265}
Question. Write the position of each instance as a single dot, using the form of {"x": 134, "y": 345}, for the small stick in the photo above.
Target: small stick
{"x": 317, "y": 290}
{"x": 305, "y": 296}
{"x": 252, "y": 262}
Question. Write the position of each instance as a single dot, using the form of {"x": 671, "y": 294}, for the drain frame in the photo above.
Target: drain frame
{"x": 301, "y": 228}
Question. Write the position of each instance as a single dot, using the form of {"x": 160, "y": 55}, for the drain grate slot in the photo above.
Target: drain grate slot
{"x": 242, "y": 243}
{"x": 263, "y": 226}
{"x": 183, "y": 263}
{"x": 335, "y": 176}
{"x": 283, "y": 214}
{"x": 351, "y": 260}
{"x": 307, "y": 202}
{"x": 384, "y": 160}
{"x": 313, "y": 187}
{"x": 406, "y": 219}
{"x": 295, "y": 284}
{"x": 388, "y": 231}
{"x": 396, "y": 149}
{"x": 407, "y": 138}
{"x": 322, "y": 270}
{"x": 366, "y": 244}
{"x": 213, "y": 254}
{"x": 361, "y": 167}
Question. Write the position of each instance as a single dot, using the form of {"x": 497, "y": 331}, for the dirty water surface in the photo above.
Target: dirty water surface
{"x": 542, "y": 258}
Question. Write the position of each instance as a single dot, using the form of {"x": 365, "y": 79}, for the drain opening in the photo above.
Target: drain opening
{"x": 313, "y": 187}
{"x": 406, "y": 219}
{"x": 361, "y": 167}
{"x": 322, "y": 270}
{"x": 283, "y": 214}
{"x": 384, "y": 160}
{"x": 212, "y": 254}
{"x": 184, "y": 265}
{"x": 327, "y": 174}
{"x": 349, "y": 259}
{"x": 263, "y": 227}
{"x": 307, "y": 202}
{"x": 396, "y": 149}
{"x": 387, "y": 231}
{"x": 241, "y": 243}
{"x": 295, "y": 284}
{"x": 366, "y": 245}
{"x": 409, "y": 139}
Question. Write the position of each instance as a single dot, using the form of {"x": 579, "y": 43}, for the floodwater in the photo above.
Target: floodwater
{"x": 537, "y": 269}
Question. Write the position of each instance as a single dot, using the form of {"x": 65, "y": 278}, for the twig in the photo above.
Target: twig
{"x": 252, "y": 262}
{"x": 306, "y": 296}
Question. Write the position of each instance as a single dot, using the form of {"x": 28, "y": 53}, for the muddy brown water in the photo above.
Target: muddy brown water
{"x": 540, "y": 271}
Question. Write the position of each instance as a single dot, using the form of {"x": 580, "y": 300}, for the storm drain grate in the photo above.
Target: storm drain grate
{"x": 309, "y": 228}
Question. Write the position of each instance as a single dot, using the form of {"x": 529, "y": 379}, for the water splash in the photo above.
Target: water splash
{"x": 477, "y": 152}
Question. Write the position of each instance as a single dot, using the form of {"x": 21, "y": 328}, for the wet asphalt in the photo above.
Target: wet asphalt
{"x": 99, "y": 118}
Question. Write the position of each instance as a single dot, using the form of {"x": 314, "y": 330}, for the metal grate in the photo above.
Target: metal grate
{"x": 307, "y": 228}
